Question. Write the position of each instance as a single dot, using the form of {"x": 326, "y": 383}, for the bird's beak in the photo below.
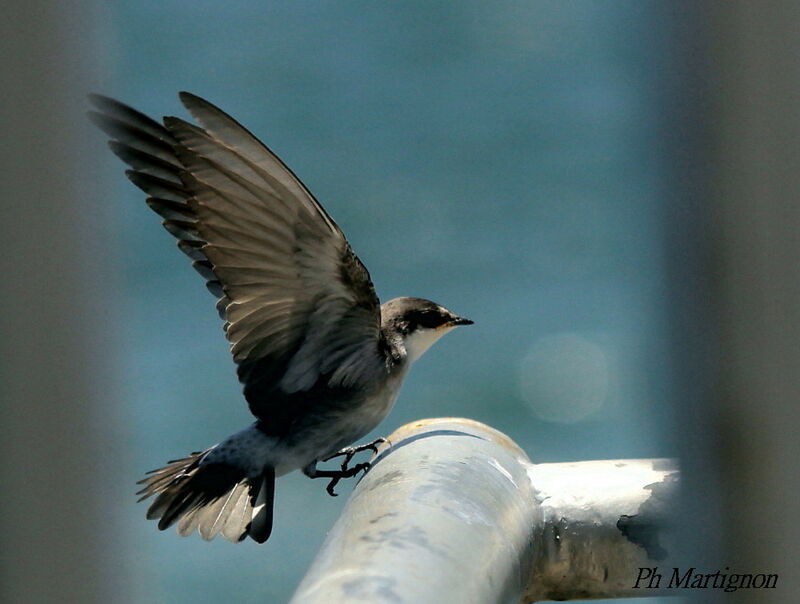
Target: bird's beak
{"x": 460, "y": 321}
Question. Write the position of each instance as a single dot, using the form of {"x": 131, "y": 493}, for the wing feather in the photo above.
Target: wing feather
{"x": 229, "y": 131}
{"x": 299, "y": 307}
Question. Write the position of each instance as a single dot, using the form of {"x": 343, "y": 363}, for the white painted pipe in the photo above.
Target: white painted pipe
{"x": 454, "y": 511}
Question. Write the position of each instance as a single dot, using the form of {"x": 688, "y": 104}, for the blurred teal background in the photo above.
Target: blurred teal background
{"x": 511, "y": 161}
{"x": 608, "y": 188}
{"x": 529, "y": 165}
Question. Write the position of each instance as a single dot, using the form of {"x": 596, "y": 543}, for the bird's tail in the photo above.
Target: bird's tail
{"x": 210, "y": 497}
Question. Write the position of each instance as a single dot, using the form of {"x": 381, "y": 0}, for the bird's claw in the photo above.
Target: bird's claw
{"x": 348, "y": 452}
{"x": 345, "y": 471}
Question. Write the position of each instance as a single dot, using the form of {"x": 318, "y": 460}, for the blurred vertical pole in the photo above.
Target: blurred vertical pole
{"x": 54, "y": 462}
{"x": 685, "y": 133}
{"x": 756, "y": 134}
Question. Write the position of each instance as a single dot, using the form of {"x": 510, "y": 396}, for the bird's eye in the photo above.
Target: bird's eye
{"x": 429, "y": 319}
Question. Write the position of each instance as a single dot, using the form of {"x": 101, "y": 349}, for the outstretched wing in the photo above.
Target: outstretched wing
{"x": 300, "y": 310}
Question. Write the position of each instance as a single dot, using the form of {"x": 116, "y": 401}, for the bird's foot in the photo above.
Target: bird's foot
{"x": 335, "y": 475}
{"x": 345, "y": 472}
{"x": 348, "y": 452}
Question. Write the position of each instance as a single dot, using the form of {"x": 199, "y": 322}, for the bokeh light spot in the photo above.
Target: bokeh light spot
{"x": 565, "y": 378}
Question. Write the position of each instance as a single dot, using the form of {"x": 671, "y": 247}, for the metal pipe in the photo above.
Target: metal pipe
{"x": 598, "y": 524}
{"x": 454, "y": 511}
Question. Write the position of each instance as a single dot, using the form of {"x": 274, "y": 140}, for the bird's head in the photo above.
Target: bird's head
{"x": 418, "y": 323}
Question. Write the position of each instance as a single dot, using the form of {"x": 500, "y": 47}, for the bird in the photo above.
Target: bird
{"x": 319, "y": 357}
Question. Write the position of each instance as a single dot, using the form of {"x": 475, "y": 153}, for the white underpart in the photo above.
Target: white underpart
{"x": 419, "y": 341}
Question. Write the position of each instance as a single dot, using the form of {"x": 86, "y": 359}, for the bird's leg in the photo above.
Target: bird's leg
{"x": 345, "y": 472}
{"x": 335, "y": 475}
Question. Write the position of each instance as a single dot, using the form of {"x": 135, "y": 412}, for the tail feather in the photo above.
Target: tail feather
{"x": 188, "y": 524}
{"x": 212, "y": 518}
{"x": 261, "y": 525}
{"x": 183, "y": 503}
{"x": 235, "y": 528}
{"x": 210, "y": 497}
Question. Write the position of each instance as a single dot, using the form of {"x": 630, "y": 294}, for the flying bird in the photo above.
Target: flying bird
{"x": 320, "y": 358}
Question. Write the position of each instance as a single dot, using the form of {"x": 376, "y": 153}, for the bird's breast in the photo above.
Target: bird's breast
{"x": 330, "y": 428}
